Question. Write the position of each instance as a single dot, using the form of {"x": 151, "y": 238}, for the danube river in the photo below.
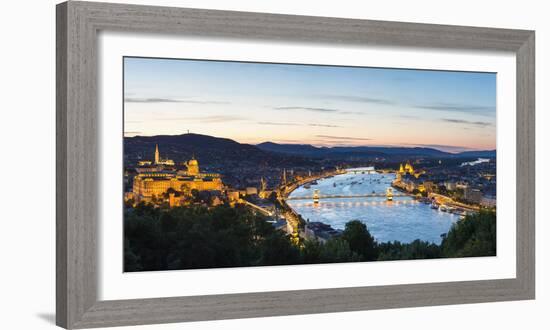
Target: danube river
{"x": 404, "y": 219}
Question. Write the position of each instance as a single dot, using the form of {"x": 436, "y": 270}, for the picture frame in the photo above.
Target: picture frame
{"x": 77, "y": 28}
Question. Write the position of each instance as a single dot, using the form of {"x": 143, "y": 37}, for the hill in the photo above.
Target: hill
{"x": 357, "y": 152}
{"x": 208, "y": 149}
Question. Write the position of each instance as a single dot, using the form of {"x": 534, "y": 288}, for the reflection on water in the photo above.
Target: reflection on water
{"x": 404, "y": 219}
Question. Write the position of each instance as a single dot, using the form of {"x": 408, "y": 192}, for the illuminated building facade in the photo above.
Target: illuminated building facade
{"x": 408, "y": 169}
{"x": 406, "y": 178}
{"x": 160, "y": 161}
{"x": 155, "y": 182}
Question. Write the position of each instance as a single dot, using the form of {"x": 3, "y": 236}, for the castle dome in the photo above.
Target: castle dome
{"x": 193, "y": 166}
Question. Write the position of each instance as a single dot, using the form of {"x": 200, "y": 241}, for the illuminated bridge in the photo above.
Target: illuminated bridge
{"x": 389, "y": 194}
{"x": 345, "y": 196}
{"x": 361, "y": 170}
{"x": 333, "y": 203}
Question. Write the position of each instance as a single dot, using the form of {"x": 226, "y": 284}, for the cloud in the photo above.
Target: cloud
{"x": 410, "y": 117}
{"x": 359, "y": 99}
{"x": 307, "y": 109}
{"x": 295, "y": 124}
{"x": 467, "y": 122}
{"x": 283, "y": 141}
{"x": 323, "y": 110}
{"x": 465, "y": 108}
{"x": 323, "y": 125}
{"x": 150, "y": 100}
{"x": 205, "y": 119}
{"x": 346, "y": 138}
{"x": 132, "y": 133}
{"x": 277, "y": 124}
{"x": 218, "y": 119}
{"x": 167, "y": 100}
{"x": 442, "y": 147}
{"x": 451, "y": 107}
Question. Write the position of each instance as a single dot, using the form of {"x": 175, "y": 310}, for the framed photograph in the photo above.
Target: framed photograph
{"x": 216, "y": 164}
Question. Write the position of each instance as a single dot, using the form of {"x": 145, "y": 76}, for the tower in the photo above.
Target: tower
{"x": 263, "y": 184}
{"x": 157, "y": 154}
{"x": 316, "y": 196}
{"x": 284, "y": 176}
{"x": 408, "y": 168}
{"x": 389, "y": 194}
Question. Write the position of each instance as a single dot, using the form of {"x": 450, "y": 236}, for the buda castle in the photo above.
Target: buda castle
{"x": 154, "y": 179}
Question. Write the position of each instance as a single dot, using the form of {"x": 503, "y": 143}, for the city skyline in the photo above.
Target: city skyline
{"x": 307, "y": 104}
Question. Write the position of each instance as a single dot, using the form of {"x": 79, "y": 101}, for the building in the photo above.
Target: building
{"x": 430, "y": 186}
{"x": 233, "y": 196}
{"x": 192, "y": 167}
{"x": 320, "y": 232}
{"x": 160, "y": 161}
{"x": 408, "y": 169}
{"x": 264, "y": 193}
{"x": 473, "y": 195}
{"x": 450, "y": 185}
{"x": 154, "y": 182}
{"x": 251, "y": 191}
{"x": 488, "y": 201}
{"x": 174, "y": 200}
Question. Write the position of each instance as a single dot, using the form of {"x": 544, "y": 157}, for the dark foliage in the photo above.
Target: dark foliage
{"x": 475, "y": 236}
{"x": 415, "y": 250}
{"x": 360, "y": 240}
{"x": 198, "y": 237}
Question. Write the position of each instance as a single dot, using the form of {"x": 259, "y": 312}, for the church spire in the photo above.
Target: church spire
{"x": 157, "y": 154}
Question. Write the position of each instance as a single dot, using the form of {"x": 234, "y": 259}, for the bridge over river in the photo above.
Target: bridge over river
{"x": 347, "y": 196}
{"x": 389, "y": 194}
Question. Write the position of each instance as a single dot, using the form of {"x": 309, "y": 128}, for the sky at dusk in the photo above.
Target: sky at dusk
{"x": 307, "y": 104}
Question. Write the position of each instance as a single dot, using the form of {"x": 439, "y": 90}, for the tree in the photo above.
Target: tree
{"x": 360, "y": 240}
{"x": 277, "y": 250}
{"x": 472, "y": 237}
{"x": 200, "y": 237}
{"x": 337, "y": 250}
{"x": 195, "y": 195}
{"x": 406, "y": 251}
{"x": 311, "y": 252}
{"x": 132, "y": 262}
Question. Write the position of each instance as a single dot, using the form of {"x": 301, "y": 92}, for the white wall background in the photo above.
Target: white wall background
{"x": 27, "y": 163}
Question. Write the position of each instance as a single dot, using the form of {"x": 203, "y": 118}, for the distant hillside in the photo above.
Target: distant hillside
{"x": 367, "y": 152}
{"x": 481, "y": 153}
{"x": 343, "y": 152}
{"x": 208, "y": 149}
{"x": 296, "y": 149}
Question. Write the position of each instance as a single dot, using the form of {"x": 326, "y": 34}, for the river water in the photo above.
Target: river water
{"x": 402, "y": 219}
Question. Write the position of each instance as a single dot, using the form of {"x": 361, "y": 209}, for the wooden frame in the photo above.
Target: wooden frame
{"x": 77, "y": 191}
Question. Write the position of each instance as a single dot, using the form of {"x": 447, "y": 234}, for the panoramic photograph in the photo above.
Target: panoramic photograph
{"x": 241, "y": 164}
